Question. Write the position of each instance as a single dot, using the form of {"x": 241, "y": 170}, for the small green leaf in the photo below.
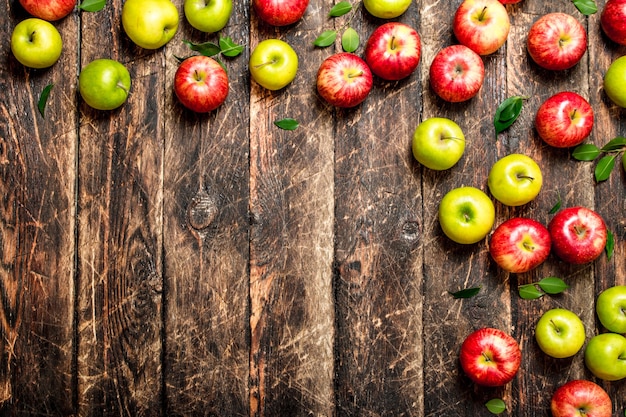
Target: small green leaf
{"x": 287, "y": 124}
{"x": 556, "y": 207}
{"x": 350, "y": 40}
{"x": 43, "y": 99}
{"x": 610, "y": 244}
{"x": 230, "y": 48}
{"x": 327, "y": 38}
{"x": 206, "y": 48}
{"x": 507, "y": 112}
{"x": 465, "y": 293}
{"x": 586, "y": 7}
{"x": 529, "y": 292}
{"x": 92, "y": 5}
{"x": 339, "y": 9}
{"x": 615, "y": 144}
{"x": 552, "y": 285}
{"x": 586, "y": 152}
{"x": 495, "y": 406}
{"x": 604, "y": 167}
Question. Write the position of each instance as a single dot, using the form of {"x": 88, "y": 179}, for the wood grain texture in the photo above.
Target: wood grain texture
{"x": 157, "y": 262}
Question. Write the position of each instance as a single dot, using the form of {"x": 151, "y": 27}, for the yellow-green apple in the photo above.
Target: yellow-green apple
{"x": 578, "y": 235}
{"x": 611, "y": 308}
{"x": 104, "y": 84}
{"x": 280, "y": 12}
{"x": 344, "y": 80}
{"x": 615, "y": 81}
{"x": 564, "y": 119}
{"x": 208, "y": 16}
{"x": 36, "y": 43}
{"x": 515, "y": 180}
{"x": 393, "y": 51}
{"x": 490, "y": 357}
{"x": 456, "y": 73}
{"x": 49, "y": 10}
{"x": 605, "y": 356}
{"x": 273, "y": 64}
{"x": 201, "y": 84}
{"x": 520, "y": 244}
{"x": 386, "y": 9}
{"x": 150, "y": 24}
{"x": 466, "y": 214}
{"x": 481, "y": 25}
{"x": 438, "y": 143}
{"x": 556, "y": 41}
{"x": 581, "y": 398}
{"x": 613, "y": 20}
{"x": 560, "y": 333}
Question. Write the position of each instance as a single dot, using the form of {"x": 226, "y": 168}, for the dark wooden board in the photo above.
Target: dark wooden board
{"x": 157, "y": 262}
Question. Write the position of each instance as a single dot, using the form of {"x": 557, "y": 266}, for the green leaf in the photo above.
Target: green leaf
{"x": 92, "y": 5}
{"x": 339, "y": 9}
{"x": 350, "y": 40}
{"x": 495, "y": 406}
{"x": 556, "y": 207}
{"x": 610, "y": 244}
{"x": 615, "y": 144}
{"x": 586, "y": 152}
{"x": 586, "y": 7}
{"x": 507, "y": 113}
{"x": 43, "y": 99}
{"x": 552, "y": 285}
{"x": 604, "y": 167}
{"x": 465, "y": 293}
{"x": 287, "y": 124}
{"x": 529, "y": 292}
{"x": 327, "y": 38}
{"x": 230, "y": 48}
{"x": 206, "y": 48}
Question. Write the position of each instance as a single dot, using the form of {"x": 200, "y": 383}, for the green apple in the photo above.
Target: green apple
{"x": 386, "y": 9}
{"x": 273, "y": 64}
{"x": 104, "y": 84}
{"x": 560, "y": 333}
{"x": 615, "y": 81}
{"x": 150, "y": 24}
{"x": 208, "y": 16}
{"x": 466, "y": 215}
{"x": 438, "y": 143}
{"x": 36, "y": 43}
{"x": 515, "y": 180}
{"x": 611, "y": 308}
{"x": 605, "y": 356}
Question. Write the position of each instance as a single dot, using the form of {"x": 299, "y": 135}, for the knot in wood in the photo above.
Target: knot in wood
{"x": 202, "y": 211}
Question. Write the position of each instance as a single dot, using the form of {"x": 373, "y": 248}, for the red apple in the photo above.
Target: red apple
{"x": 510, "y": 1}
{"x": 520, "y": 244}
{"x": 613, "y": 20}
{"x": 201, "y": 84}
{"x": 481, "y": 25}
{"x": 280, "y": 12}
{"x": 490, "y": 357}
{"x": 393, "y": 51}
{"x": 578, "y": 235}
{"x": 456, "y": 73}
{"x": 556, "y": 41}
{"x": 49, "y": 10}
{"x": 564, "y": 120}
{"x": 344, "y": 80}
{"x": 579, "y": 398}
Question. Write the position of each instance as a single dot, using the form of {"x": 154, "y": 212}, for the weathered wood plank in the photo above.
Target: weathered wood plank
{"x": 291, "y": 204}
{"x": 378, "y": 229}
{"x": 119, "y": 232}
{"x": 37, "y": 184}
{"x": 206, "y": 239}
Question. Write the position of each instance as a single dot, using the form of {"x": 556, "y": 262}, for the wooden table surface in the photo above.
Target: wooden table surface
{"x": 159, "y": 262}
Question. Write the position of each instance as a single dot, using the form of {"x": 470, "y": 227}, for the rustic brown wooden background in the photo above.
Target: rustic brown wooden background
{"x": 160, "y": 263}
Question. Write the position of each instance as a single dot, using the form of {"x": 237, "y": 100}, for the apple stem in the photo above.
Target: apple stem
{"x": 123, "y": 87}
{"x": 487, "y": 357}
{"x": 556, "y": 328}
{"x": 573, "y": 114}
{"x": 481, "y": 16}
{"x": 525, "y": 177}
{"x": 355, "y": 74}
{"x": 393, "y": 42}
{"x": 273, "y": 61}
